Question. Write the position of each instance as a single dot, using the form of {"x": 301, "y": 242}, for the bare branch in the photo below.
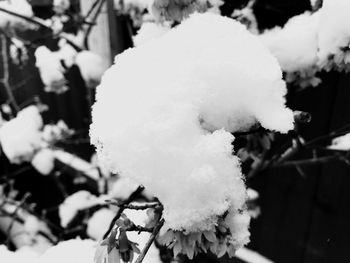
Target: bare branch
{"x": 131, "y": 198}
{"x": 150, "y": 241}
{"x": 6, "y": 73}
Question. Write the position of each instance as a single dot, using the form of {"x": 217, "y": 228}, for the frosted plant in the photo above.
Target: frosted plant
{"x": 171, "y": 126}
{"x": 21, "y": 7}
{"x": 51, "y": 70}
{"x": 44, "y": 161}
{"x": 75, "y": 202}
{"x": 295, "y": 46}
{"x": 177, "y": 10}
{"x": 334, "y": 35}
{"x": 20, "y": 137}
{"x": 91, "y": 67}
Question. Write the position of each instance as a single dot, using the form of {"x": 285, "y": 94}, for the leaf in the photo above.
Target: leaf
{"x": 123, "y": 241}
{"x": 189, "y": 251}
{"x": 135, "y": 248}
{"x": 177, "y": 248}
{"x": 167, "y": 238}
{"x": 113, "y": 256}
{"x": 221, "y": 250}
{"x": 210, "y": 236}
{"x": 100, "y": 254}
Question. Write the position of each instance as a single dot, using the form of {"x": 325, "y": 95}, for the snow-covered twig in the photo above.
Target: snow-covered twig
{"x": 150, "y": 241}
{"x": 131, "y": 198}
{"x": 134, "y": 207}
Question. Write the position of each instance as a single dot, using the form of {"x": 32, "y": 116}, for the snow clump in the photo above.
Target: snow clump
{"x": 195, "y": 85}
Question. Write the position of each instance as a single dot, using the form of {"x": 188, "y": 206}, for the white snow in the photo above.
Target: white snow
{"x": 51, "y": 70}
{"x": 334, "y": 32}
{"x": 71, "y": 251}
{"x": 25, "y": 254}
{"x": 166, "y": 97}
{"x": 99, "y": 223}
{"x": 150, "y": 31}
{"x": 21, "y": 7}
{"x": 60, "y": 6}
{"x": 140, "y": 218}
{"x": 296, "y": 44}
{"x": 341, "y": 143}
{"x": 75, "y": 202}
{"x": 122, "y": 188}
{"x": 44, "y": 161}
{"x": 91, "y": 67}
{"x": 21, "y": 136}
{"x": 250, "y": 256}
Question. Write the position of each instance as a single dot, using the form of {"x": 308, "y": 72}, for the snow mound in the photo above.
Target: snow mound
{"x": 99, "y": 223}
{"x": 341, "y": 143}
{"x": 334, "y": 31}
{"x": 71, "y": 251}
{"x": 296, "y": 44}
{"x": 170, "y": 126}
{"x": 21, "y": 136}
{"x": 91, "y": 67}
{"x": 150, "y": 31}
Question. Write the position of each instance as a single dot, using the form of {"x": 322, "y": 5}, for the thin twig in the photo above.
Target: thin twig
{"x": 32, "y": 20}
{"x": 150, "y": 241}
{"x": 93, "y": 22}
{"x": 139, "y": 229}
{"x": 9, "y": 229}
{"x": 134, "y": 207}
{"x": 6, "y": 73}
{"x": 131, "y": 198}
{"x": 310, "y": 161}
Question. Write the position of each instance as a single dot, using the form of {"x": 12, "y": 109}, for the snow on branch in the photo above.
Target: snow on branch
{"x": 196, "y": 84}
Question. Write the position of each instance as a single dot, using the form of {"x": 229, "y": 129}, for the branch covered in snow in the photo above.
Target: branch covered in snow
{"x": 312, "y": 42}
{"x": 191, "y": 95}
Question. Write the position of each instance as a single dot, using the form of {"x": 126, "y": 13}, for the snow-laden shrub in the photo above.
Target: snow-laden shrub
{"x": 312, "y": 42}
{"x": 170, "y": 126}
{"x": 20, "y": 137}
{"x": 295, "y": 45}
{"x": 74, "y": 203}
{"x": 51, "y": 70}
{"x": 334, "y": 34}
{"x": 21, "y": 7}
{"x": 91, "y": 67}
{"x": 177, "y": 10}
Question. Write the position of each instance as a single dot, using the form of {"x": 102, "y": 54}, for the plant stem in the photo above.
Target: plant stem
{"x": 150, "y": 241}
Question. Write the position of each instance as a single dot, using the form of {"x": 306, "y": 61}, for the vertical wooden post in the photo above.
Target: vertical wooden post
{"x": 100, "y": 40}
